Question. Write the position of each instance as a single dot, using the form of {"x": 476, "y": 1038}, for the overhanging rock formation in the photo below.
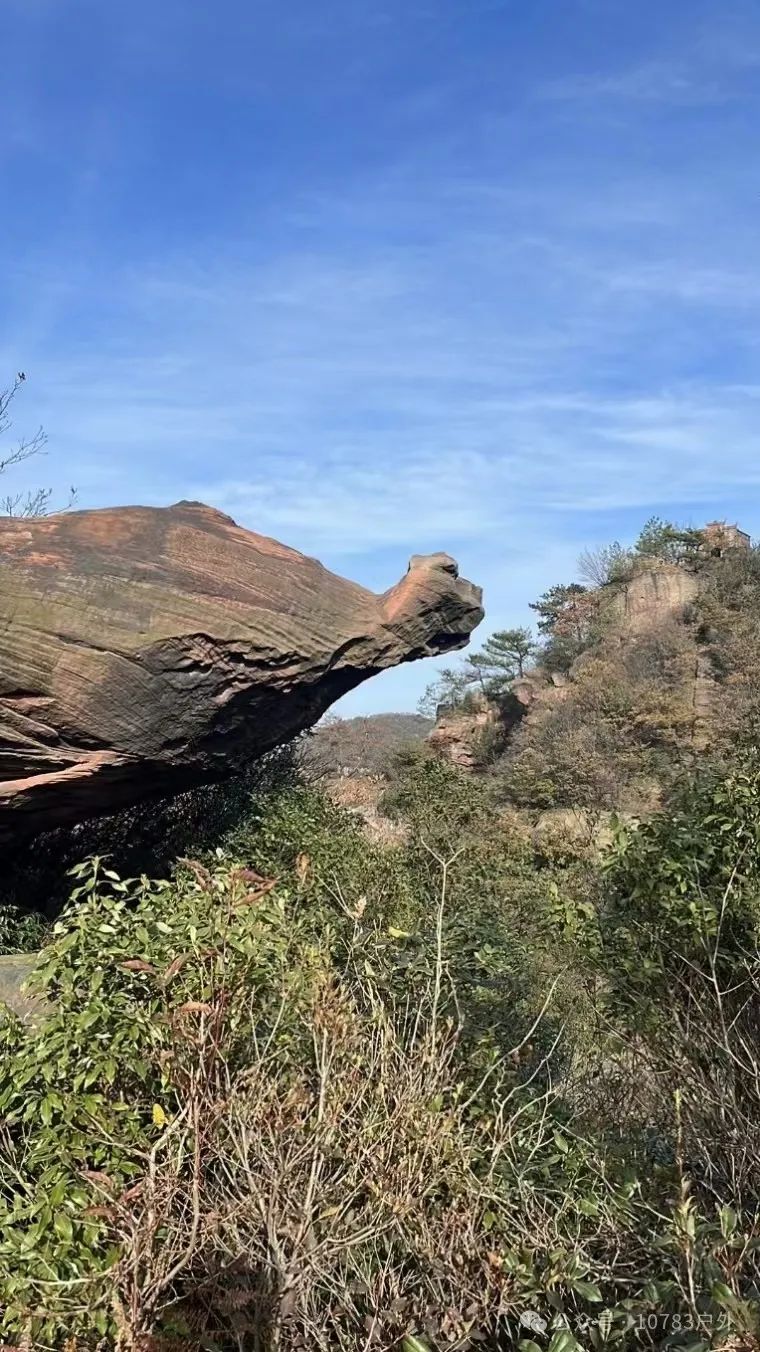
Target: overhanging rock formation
{"x": 143, "y": 650}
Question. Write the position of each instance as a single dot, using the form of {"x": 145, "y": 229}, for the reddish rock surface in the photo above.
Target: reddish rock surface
{"x": 146, "y": 649}
{"x": 654, "y": 594}
{"x": 657, "y": 596}
{"x": 457, "y": 732}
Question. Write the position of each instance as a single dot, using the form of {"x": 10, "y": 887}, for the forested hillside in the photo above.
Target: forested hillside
{"x": 364, "y": 745}
{"x": 635, "y": 675}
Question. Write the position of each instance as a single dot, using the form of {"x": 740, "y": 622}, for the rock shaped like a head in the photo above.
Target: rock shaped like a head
{"x": 432, "y": 609}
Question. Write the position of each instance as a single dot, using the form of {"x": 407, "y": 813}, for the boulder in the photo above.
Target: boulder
{"x": 143, "y": 650}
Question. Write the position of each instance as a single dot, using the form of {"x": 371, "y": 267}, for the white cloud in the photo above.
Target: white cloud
{"x": 490, "y": 358}
{"x": 391, "y": 397}
{"x": 705, "y": 285}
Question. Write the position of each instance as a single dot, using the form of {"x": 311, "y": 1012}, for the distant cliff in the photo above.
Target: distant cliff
{"x": 666, "y": 668}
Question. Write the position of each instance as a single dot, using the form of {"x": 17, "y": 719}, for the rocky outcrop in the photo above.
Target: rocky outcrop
{"x": 466, "y": 735}
{"x": 458, "y": 732}
{"x": 655, "y": 594}
{"x": 535, "y": 687}
{"x": 143, "y": 650}
{"x": 654, "y": 602}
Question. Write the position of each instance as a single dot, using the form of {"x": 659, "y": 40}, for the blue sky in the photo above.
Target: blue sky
{"x": 388, "y": 276}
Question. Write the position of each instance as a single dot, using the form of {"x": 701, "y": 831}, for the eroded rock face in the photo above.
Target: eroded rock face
{"x": 659, "y": 596}
{"x": 459, "y": 733}
{"x": 653, "y": 595}
{"x": 456, "y": 733}
{"x": 146, "y": 649}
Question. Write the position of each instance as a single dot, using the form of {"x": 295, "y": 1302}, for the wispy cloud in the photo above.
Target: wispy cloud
{"x": 708, "y": 66}
{"x": 650, "y": 82}
{"x": 508, "y": 334}
{"x": 708, "y": 286}
{"x": 348, "y": 413}
{"x": 356, "y": 402}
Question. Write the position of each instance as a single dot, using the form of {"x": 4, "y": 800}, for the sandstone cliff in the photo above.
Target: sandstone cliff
{"x": 657, "y": 592}
{"x": 146, "y": 649}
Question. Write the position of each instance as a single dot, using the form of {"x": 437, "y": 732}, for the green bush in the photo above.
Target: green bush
{"x": 568, "y": 757}
{"x": 310, "y": 1089}
{"x": 683, "y": 889}
{"x": 235, "y": 1116}
{"x": 21, "y": 931}
{"x": 680, "y": 945}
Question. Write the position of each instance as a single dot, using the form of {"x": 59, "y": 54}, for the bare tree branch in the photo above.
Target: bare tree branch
{"x": 26, "y": 503}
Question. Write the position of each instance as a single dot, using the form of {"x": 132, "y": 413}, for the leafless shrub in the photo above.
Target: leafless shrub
{"x": 345, "y": 1188}
{"x": 709, "y": 1049}
{"x": 683, "y": 1093}
{"x": 26, "y": 503}
{"x": 599, "y": 566}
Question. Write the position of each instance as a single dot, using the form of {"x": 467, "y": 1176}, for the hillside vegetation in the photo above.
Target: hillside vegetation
{"x": 362, "y": 745}
{"x": 631, "y": 680}
{"x": 472, "y": 1088}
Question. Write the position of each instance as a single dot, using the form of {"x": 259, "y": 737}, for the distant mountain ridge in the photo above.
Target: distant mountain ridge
{"x": 362, "y": 745}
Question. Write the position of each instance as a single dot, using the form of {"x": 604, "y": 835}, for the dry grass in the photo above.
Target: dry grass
{"x": 360, "y": 795}
{"x": 345, "y": 1188}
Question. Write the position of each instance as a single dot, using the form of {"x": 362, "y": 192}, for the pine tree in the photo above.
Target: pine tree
{"x": 503, "y": 658}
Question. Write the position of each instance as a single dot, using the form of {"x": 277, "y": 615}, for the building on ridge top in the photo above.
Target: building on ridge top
{"x": 719, "y": 537}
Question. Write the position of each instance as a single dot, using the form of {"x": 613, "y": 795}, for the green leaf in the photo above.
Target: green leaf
{"x": 587, "y": 1207}
{"x": 728, "y": 1221}
{"x": 563, "y": 1341}
{"x": 100, "y": 1321}
{"x": 589, "y": 1290}
{"x": 62, "y": 1226}
{"x": 723, "y": 1295}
